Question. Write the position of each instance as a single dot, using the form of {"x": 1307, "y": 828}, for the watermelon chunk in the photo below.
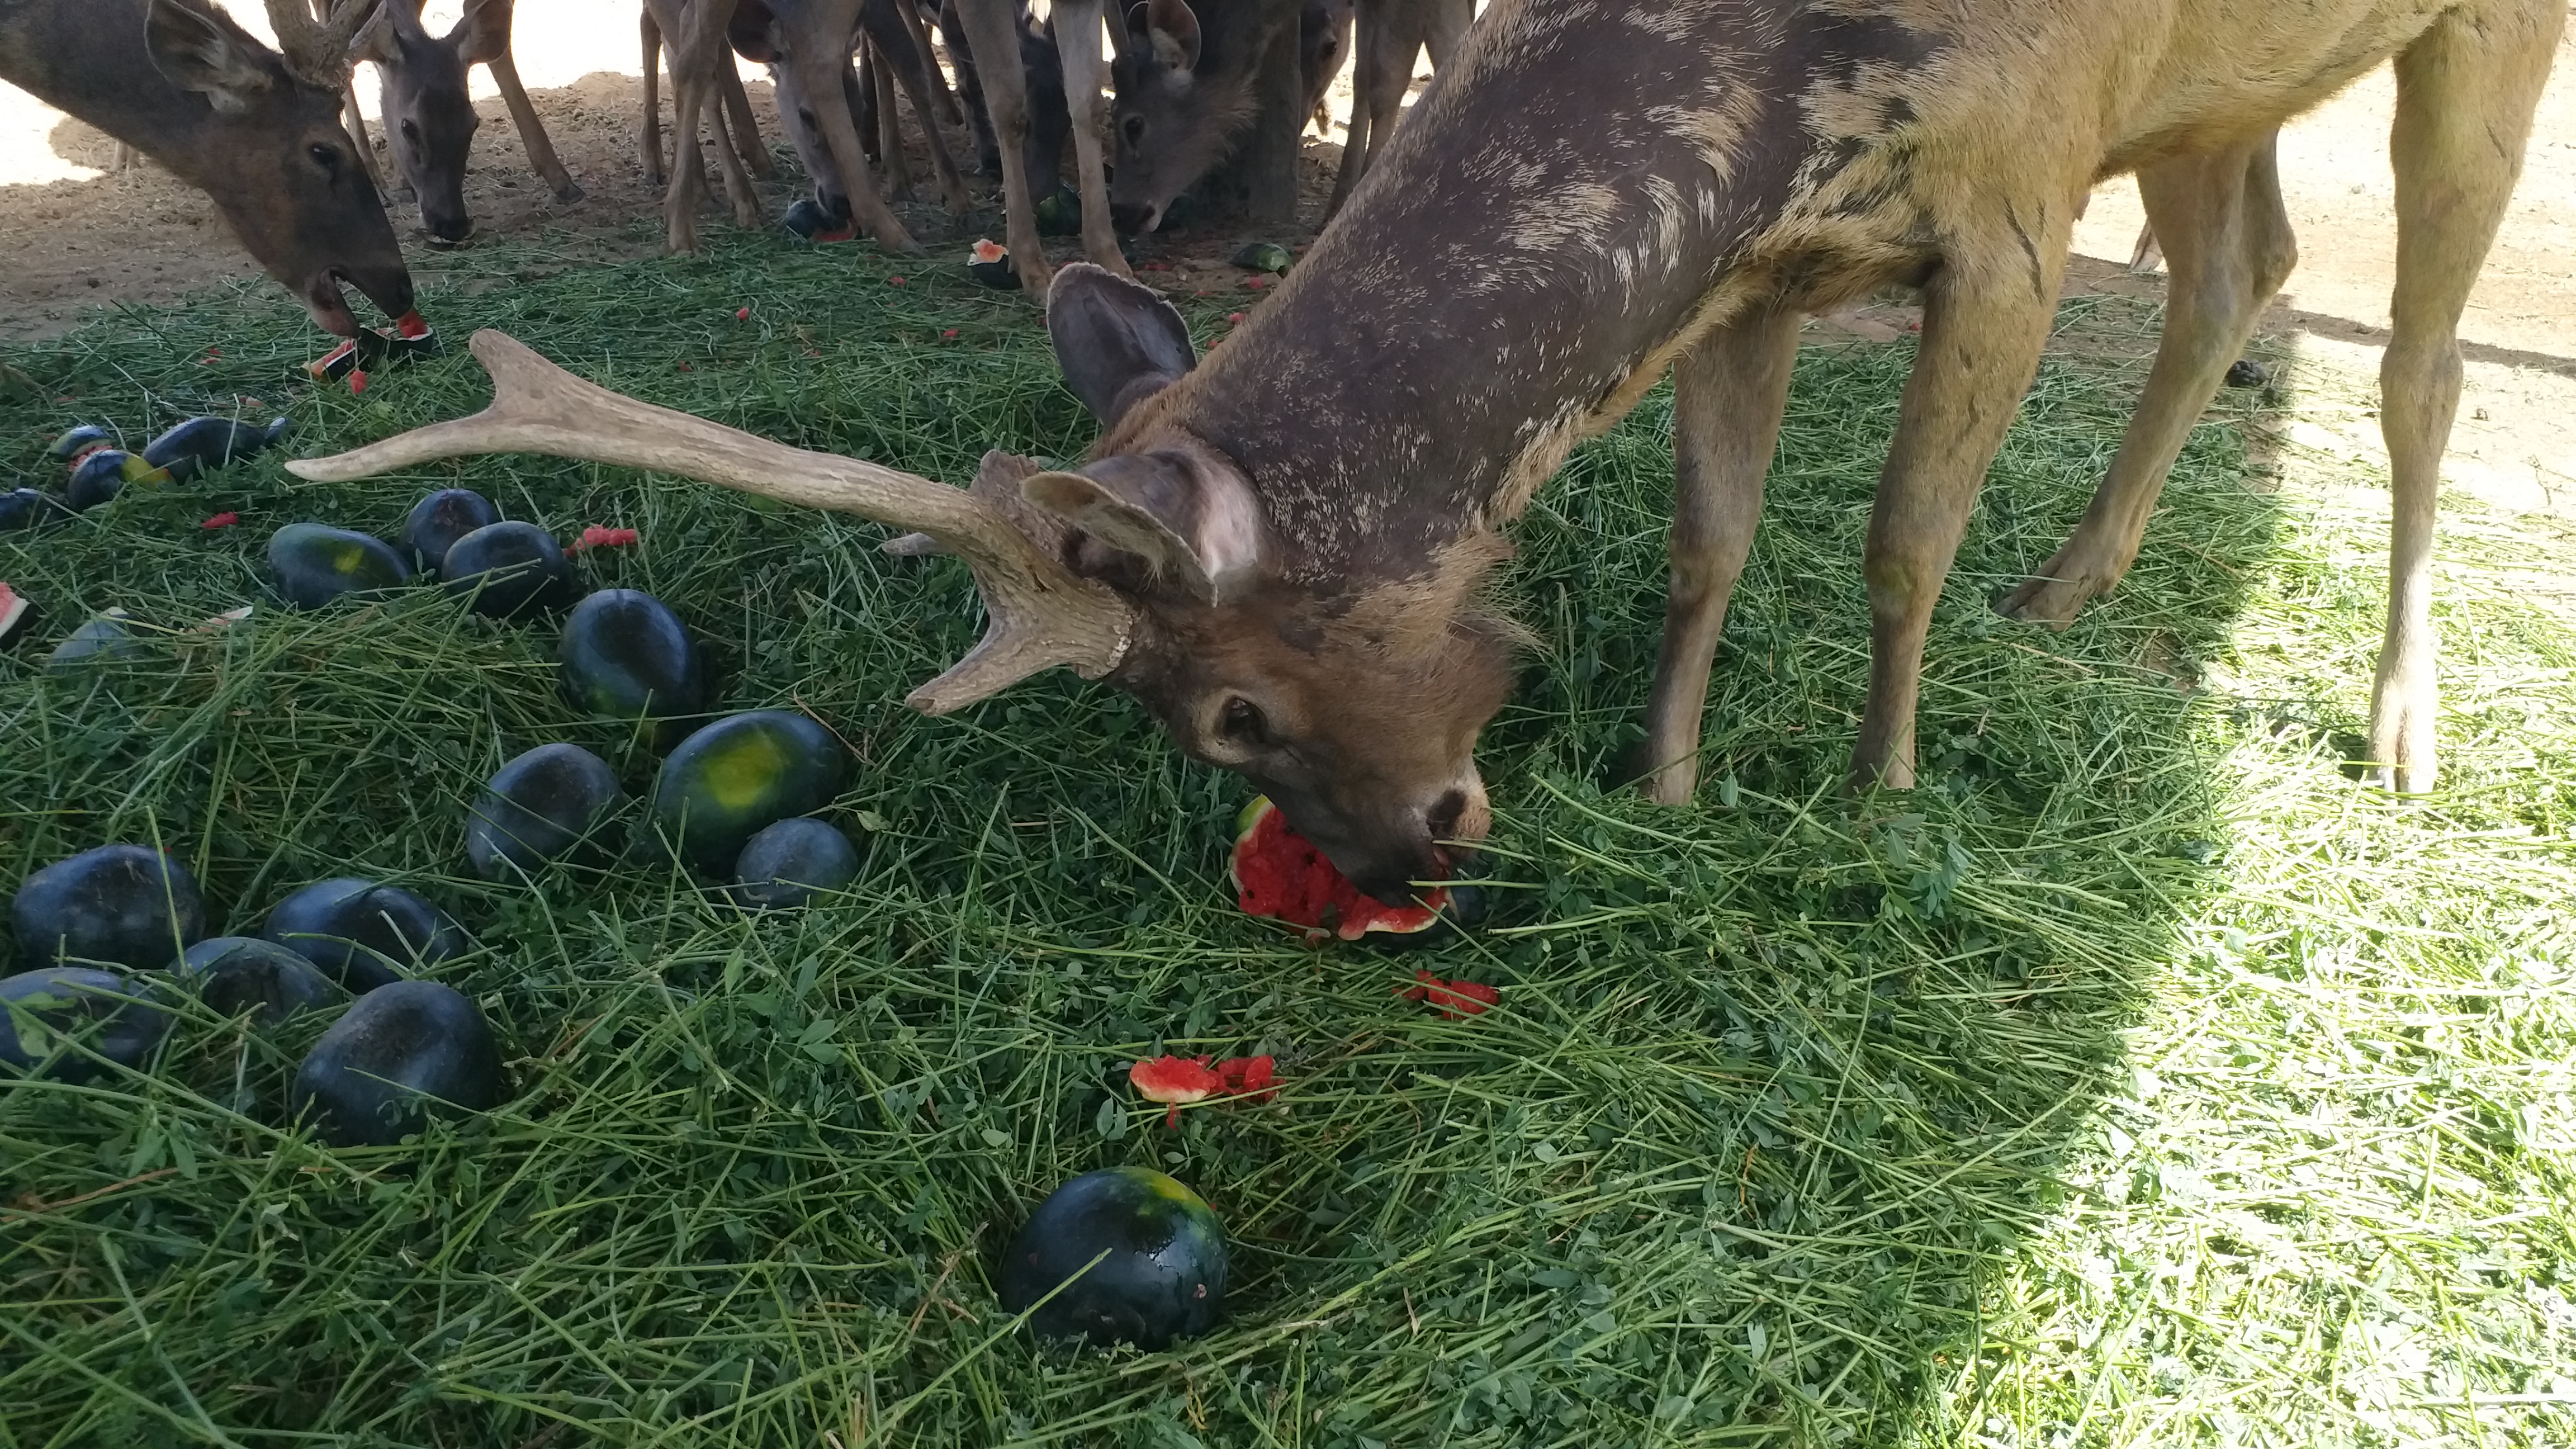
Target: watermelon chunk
{"x": 1279, "y": 874}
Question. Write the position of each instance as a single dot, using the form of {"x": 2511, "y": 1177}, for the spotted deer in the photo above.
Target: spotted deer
{"x": 1284, "y": 551}
{"x": 256, "y": 129}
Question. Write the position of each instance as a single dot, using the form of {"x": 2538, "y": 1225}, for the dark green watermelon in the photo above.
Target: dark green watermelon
{"x": 26, "y": 508}
{"x": 537, "y": 808}
{"x": 363, "y": 934}
{"x": 39, "y": 1009}
{"x": 438, "y": 521}
{"x": 403, "y": 1052}
{"x": 507, "y": 569}
{"x": 234, "y": 974}
{"x": 788, "y": 864}
{"x": 123, "y": 905}
{"x": 312, "y": 565}
{"x": 203, "y": 444}
{"x": 739, "y": 776}
{"x": 103, "y": 475}
{"x": 1163, "y": 1276}
{"x": 626, "y": 656}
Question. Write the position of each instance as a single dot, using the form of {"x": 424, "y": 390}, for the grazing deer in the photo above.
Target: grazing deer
{"x": 992, "y": 28}
{"x": 1389, "y": 34}
{"x": 808, "y": 58}
{"x": 1187, "y": 84}
{"x": 1283, "y": 552}
{"x": 429, "y": 119}
{"x": 257, "y": 130}
{"x": 1041, "y": 72}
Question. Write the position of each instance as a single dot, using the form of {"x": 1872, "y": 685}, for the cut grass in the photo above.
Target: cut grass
{"x": 2137, "y": 1081}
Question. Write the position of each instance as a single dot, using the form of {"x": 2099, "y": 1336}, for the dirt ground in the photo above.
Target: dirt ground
{"x": 76, "y": 237}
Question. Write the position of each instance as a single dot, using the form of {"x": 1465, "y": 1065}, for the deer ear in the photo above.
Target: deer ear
{"x": 1185, "y": 519}
{"x": 207, "y": 53}
{"x": 1173, "y": 27}
{"x": 1119, "y": 343}
{"x": 376, "y": 40}
{"x": 483, "y": 35}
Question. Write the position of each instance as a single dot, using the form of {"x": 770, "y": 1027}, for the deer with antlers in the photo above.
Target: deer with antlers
{"x": 1296, "y": 589}
{"x": 258, "y": 130}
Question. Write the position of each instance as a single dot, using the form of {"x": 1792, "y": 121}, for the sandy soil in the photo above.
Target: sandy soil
{"x": 76, "y": 237}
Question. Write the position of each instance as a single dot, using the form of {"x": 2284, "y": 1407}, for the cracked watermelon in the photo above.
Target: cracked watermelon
{"x": 1279, "y": 874}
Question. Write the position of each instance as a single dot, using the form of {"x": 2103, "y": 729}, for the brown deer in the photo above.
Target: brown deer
{"x": 429, "y": 118}
{"x": 1187, "y": 81}
{"x": 993, "y": 28}
{"x": 1283, "y": 552}
{"x": 257, "y": 130}
{"x": 732, "y": 115}
{"x": 810, "y": 35}
{"x": 1388, "y": 34}
{"x": 781, "y": 33}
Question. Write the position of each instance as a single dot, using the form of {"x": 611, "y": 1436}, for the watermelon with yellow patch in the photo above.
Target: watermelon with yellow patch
{"x": 1160, "y": 1266}
{"x": 1280, "y": 874}
{"x": 740, "y": 775}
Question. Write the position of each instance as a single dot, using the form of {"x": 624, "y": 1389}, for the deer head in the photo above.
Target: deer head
{"x": 269, "y": 148}
{"x": 429, "y": 119}
{"x": 1180, "y": 105}
{"x": 1355, "y": 707}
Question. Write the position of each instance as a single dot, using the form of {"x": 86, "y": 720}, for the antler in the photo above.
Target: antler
{"x": 1040, "y": 613}
{"x": 318, "y": 50}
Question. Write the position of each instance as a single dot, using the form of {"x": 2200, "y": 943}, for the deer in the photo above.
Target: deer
{"x": 1299, "y": 590}
{"x": 1388, "y": 34}
{"x": 1041, "y": 72}
{"x": 1186, "y": 83}
{"x": 807, "y": 48}
{"x": 258, "y": 130}
{"x": 429, "y": 119}
{"x": 732, "y": 115}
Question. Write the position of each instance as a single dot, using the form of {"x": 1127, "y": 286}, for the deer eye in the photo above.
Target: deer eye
{"x": 323, "y": 156}
{"x": 1135, "y": 130}
{"x": 1240, "y": 723}
{"x": 411, "y": 130}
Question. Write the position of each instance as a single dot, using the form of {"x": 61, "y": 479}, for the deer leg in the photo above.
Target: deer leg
{"x": 1377, "y": 87}
{"x": 992, "y": 38}
{"x": 1077, "y": 39}
{"x": 2229, "y": 244}
{"x": 1986, "y": 315}
{"x": 740, "y": 120}
{"x": 918, "y": 77}
{"x": 943, "y": 100}
{"x": 2465, "y": 94}
{"x": 823, "y": 73}
{"x": 1728, "y": 394}
{"x": 2147, "y": 253}
{"x": 730, "y": 146}
{"x": 879, "y": 85}
{"x": 532, "y": 132}
{"x": 1448, "y": 26}
{"x": 649, "y": 134}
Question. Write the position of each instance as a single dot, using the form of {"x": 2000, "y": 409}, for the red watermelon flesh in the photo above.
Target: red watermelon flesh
{"x": 1278, "y": 873}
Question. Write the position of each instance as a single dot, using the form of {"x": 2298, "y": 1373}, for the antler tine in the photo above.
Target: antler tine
{"x": 1040, "y": 613}
{"x": 318, "y": 49}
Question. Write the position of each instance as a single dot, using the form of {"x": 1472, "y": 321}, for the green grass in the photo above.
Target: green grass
{"x": 2139, "y": 1081}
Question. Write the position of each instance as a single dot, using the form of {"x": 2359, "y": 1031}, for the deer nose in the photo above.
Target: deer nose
{"x": 1445, "y": 814}
{"x": 449, "y": 230}
{"x": 1130, "y": 220}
